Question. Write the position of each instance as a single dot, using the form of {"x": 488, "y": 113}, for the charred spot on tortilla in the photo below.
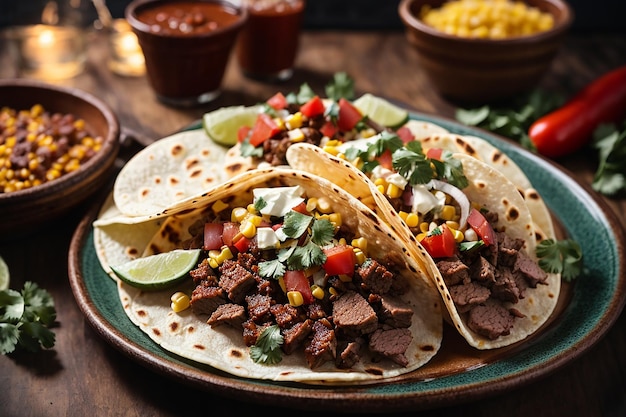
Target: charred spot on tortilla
{"x": 496, "y": 157}
{"x": 176, "y": 150}
{"x": 199, "y": 347}
{"x": 234, "y": 167}
{"x": 173, "y": 180}
{"x": 512, "y": 213}
{"x": 427, "y": 348}
{"x": 156, "y": 331}
{"x": 191, "y": 162}
{"x": 131, "y": 251}
{"x": 195, "y": 173}
{"x": 236, "y": 353}
{"x": 532, "y": 194}
{"x": 174, "y": 326}
{"x": 141, "y": 313}
{"x": 144, "y": 192}
{"x": 466, "y": 147}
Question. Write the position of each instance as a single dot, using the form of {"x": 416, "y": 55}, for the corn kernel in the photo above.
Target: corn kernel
{"x": 447, "y": 212}
{"x": 323, "y": 205}
{"x": 393, "y": 191}
{"x": 360, "y": 243}
{"x": 238, "y": 214}
{"x": 332, "y": 291}
{"x": 295, "y": 121}
{"x": 453, "y": 225}
{"x": 296, "y": 135}
{"x": 281, "y": 283}
{"x": 335, "y": 219}
{"x": 331, "y": 150}
{"x": 458, "y": 235}
{"x": 318, "y": 292}
{"x": 412, "y": 220}
{"x": 251, "y": 209}
{"x": 424, "y": 227}
{"x": 255, "y": 220}
{"x": 180, "y": 301}
{"x": 218, "y": 206}
{"x": 360, "y": 256}
{"x": 295, "y": 298}
{"x": 248, "y": 229}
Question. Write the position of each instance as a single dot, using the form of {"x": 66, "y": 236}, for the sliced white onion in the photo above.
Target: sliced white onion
{"x": 455, "y": 193}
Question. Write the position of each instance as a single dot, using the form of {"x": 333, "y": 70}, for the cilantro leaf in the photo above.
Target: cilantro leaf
{"x": 296, "y": 224}
{"x": 341, "y": 86}
{"x": 450, "y": 169}
{"x": 266, "y": 350}
{"x": 322, "y": 232}
{"x": 414, "y": 166}
{"x": 260, "y": 204}
{"x": 24, "y": 319}
{"x": 271, "y": 269}
{"x": 560, "y": 257}
{"x": 248, "y": 150}
{"x": 610, "y": 176}
{"x": 306, "y": 256}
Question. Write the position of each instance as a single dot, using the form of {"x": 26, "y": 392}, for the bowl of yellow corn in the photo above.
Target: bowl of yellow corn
{"x": 480, "y": 51}
{"x": 58, "y": 147}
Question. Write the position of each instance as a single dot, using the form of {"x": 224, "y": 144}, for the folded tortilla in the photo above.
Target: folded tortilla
{"x": 185, "y": 334}
{"x": 491, "y": 189}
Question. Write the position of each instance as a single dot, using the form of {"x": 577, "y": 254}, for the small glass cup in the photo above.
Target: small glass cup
{"x": 125, "y": 57}
{"x": 269, "y": 42}
{"x": 48, "y": 52}
{"x": 186, "y": 46}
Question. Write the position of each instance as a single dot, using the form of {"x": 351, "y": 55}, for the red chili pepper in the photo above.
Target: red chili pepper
{"x": 570, "y": 127}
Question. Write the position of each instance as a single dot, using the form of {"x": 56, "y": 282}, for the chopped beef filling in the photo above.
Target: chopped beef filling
{"x": 482, "y": 281}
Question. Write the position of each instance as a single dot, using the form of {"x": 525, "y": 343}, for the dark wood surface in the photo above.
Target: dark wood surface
{"x": 83, "y": 375}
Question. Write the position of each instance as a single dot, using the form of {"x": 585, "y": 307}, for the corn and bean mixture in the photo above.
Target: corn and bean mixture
{"x": 37, "y": 146}
{"x": 493, "y": 19}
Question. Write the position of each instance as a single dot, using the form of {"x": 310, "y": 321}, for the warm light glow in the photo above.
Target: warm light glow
{"x": 46, "y": 38}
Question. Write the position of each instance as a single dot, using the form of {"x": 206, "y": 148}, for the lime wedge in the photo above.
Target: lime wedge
{"x": 221, "y": 125}
{"x": 156, "y": 272}
{"x": 4, "y": 275}
{"x": 381, "y": 111}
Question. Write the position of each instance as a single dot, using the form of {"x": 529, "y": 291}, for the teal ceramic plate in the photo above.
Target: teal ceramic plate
{"x": 587, "y": 309}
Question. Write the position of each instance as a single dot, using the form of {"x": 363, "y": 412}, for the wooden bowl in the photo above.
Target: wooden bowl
{"x": 474, "y": 70}
{"x": 23, "y": 211}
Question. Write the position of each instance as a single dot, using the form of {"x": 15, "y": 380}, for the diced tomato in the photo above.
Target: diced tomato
{"x": 278, "y": 101}
{"x": 481, "y": 226}
{"x": 313, "y": 107}
{"x": 277, "y": 226}
{"x": 405, "y": 134}
{"x": 242, "y": 133}
{"x": 434, "y": 153}
{"x": 297, "y": 281}
{"x": 340, "y": 260}
{"x": 440, "y": 245}
{"x": 242, "y": 244}
{"x": 328, "y": 129}
{"x": 230, "y": 231}
{"x": 264, "y": 128}
{"x": 301, "y": 208}
{"x": 213, "y": 236}
{"x": 349, "y": 115}
{"x": 385, "y": 159}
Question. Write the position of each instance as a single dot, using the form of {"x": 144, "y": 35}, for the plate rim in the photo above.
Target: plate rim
{"x": 368, "y": 397}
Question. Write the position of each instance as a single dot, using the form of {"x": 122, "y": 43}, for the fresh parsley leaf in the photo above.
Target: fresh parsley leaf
{"x": 296, "y": 224}
{"x": 306, "y": 256}
{"x": 266, "y": 350}
{"x": 322, "y": 232}
{"x": 24, "y": 319}
{"x": 305, "y": 93}
{"x": 271, "y": 269}
{"x": 560, "y": 257}
{"x": 341, "y": 86}
{"x": 469, "y": 246}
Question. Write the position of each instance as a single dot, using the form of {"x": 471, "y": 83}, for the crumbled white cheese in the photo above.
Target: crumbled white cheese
{"x": 279, "y": 200}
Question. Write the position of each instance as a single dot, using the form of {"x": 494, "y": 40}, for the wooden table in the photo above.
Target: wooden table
{"x": 83, "y": 375}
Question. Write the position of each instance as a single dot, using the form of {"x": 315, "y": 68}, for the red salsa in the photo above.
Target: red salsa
{"x": 187, "y": 17}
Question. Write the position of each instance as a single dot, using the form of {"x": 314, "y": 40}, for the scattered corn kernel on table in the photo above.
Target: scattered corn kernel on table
{"x": 84, "y": 375}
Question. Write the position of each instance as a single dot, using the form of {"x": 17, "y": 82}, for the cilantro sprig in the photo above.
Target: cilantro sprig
{"x": 560, "y": 257}
{"x": 266, "y": 350}
{"x": 25, "y": 318}
{"x": 610, "y": 176}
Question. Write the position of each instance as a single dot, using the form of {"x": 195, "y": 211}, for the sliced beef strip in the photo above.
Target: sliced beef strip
{"x": 252, "y": 331}
{"x": 467, "y": 295}
{"x": 490, "y": 320}
{"x": 206, "y": 298}
{"x": 508, "y": 248}
{"x": 375, "y": 277}
{"x": 505, "y": 287}
{"x": 285, "y": 315}
{"x": 203, "y": 272}
{"x": 350, "y": 353}
{"x": 230, "y": 313}
{"x": 530, "y": 270}
{"x": 236, "y": 280}
{"x": 482, "y": 270}
{"x": 294, "y": 336}
{"x": 259, "y": 307}
{"x": 392, "y": 344}
{"x": 453, "y": 271}
{"x": 354, "y": 315}
{"x": 395, "y": 312}
{"x": 323, "y": 346}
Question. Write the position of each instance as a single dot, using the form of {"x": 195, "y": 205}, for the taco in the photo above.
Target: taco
{"x": 310, "y": 262}
{"x": 466, "y": 221}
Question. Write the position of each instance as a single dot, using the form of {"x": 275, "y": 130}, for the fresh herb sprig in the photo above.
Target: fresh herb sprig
{"x": 610, "y": 176}
{"x": 25, "y": 318}
{"x": 266, "y": 350}
{"x": 563, "y": 257}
